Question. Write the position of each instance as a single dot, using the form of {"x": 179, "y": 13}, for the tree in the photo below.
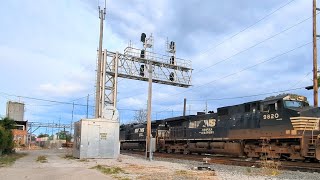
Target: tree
{"x": 43, "y": 135}
{"x": 140, "y": 116}
{"x": 7, "y": 123}
{"x": 65, "y": 135}
{"x": 6, "y": 136}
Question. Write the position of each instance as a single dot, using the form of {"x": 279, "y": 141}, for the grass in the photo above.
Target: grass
{"x": 42, "y": 159}
{"x": 68, "y": 156}
{"x": 181, "y": 172}
{"x": 120, "y": 178}
{"x": 7, "y": 160}
{"x": 108, "y": 170}
{"x": 83, "y": 160}
{"x": 270, "y": 167}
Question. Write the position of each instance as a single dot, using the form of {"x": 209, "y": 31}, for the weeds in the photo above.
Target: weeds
{"x": 83, "y": 160}
{"x": 248, "y": 170}
{"x": 42, "y": 159}
{"x": 68, "y": 156}
{"x": 181, "y": 172}
{"x": 120, "y": 178}
{"x": 108, "y": 170}
{"x": 270, "y": 167}
{"x": 7, "y": 160}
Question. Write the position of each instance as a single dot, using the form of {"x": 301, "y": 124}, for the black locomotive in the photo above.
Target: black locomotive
{"x": 282, "y": 126}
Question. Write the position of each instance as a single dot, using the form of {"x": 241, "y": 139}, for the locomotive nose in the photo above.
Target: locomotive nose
{"x": 310, "y": 112}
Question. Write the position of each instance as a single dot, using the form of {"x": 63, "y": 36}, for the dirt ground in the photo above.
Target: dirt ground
{"x": 58, "y": 167}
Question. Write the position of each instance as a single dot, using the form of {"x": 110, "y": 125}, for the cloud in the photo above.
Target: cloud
{"x": 63, "y": 89}
{"x": 50, "y": 51}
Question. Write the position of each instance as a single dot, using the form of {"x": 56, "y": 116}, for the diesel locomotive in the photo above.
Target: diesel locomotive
{"x": 283, "y": 126}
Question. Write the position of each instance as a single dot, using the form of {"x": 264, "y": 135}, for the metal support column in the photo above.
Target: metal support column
{"x": 149, "y": 135}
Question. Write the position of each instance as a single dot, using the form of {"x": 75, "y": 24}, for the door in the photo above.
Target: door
{"x": 93, "y": 141}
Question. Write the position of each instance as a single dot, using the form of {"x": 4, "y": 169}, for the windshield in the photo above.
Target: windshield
{"x": 296, "y": 104}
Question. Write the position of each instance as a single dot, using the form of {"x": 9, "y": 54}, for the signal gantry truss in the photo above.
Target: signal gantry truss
{"x": 134, "y": 64}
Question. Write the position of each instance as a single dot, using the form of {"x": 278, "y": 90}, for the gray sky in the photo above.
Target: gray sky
{"x": 237, "y": 48}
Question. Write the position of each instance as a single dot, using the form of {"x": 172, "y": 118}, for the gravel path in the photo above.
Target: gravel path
{"x": 56, "y": 168}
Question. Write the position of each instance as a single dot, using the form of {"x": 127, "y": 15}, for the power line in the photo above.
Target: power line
{"x": 240, "y": 52}
{"x": 246, "y": 68}
{"x": 261, "y": 62}
{"x": 61, "y": 102}
{"x": 246, "y": 28}
{"x": 301, "y": 80}
{"x": 40, "y": 99}
{"x": 83, "y": 97}
{"x": 246, "y": 96}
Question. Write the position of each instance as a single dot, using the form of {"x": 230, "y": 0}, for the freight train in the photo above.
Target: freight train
{"x": 283, "y": 126}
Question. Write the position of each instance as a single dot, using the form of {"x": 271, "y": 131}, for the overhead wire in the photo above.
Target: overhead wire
{"x": 270, "y": 37}
{"x": 246, "y": 68}
{"x": 246, "y": 28}
{"x": 247, "y": 96}
{"x": 41, "y": 99}
{"x": 236, "y": 34}
{"x": 240, "y": 52}
{"x": 301, "y": 79}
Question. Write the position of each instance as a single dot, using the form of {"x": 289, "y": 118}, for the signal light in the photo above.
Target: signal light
{"x": 172, "y": 45}
{"x": 143, "y": 37}
{"x": 142, "y": 53}
{"x": 171, "y": 76}
{"x": 172, "y": 60}
{"x": 142, "y": 70}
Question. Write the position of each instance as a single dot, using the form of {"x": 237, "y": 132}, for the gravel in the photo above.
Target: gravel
{"x": 229, "y": 172}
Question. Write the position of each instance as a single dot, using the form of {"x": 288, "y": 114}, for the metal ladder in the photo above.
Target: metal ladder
{"x": 312, "y": 143}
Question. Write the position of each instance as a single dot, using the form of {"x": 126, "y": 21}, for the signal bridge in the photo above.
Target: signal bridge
{"x": 134, "y": 64}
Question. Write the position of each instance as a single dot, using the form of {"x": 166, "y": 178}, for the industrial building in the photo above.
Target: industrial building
{"x": 15, "y": 111}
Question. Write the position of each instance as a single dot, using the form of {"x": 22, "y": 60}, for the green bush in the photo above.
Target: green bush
{"x": 6, "y": 136}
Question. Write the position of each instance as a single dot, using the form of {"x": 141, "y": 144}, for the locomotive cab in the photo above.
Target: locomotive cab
{"x": 282, "y": 111}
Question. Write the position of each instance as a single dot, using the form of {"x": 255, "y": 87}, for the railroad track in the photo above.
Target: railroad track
{"x": 226, "y": 160}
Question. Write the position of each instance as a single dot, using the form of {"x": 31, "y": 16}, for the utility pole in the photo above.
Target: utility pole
{"x": 184, "y": 106}
{"x": 59, "y": 128}
{"x": 206, "y": 111}
{"x": 87, "y": 105}
{"x": 98, "y": 106}
{"x": 72, "y": 118}
{"x": 315, "y": 63}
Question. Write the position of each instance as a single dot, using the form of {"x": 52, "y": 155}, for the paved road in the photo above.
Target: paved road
{"x": 57, "y": 168}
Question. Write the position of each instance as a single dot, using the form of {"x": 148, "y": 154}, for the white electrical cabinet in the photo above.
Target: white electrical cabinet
{"x": 96, "y": 138}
